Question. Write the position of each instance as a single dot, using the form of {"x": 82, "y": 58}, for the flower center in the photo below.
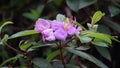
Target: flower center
{"x": 67, "y": 23}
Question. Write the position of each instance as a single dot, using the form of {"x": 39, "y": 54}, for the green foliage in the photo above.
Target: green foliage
{"x": 104, "y": 52}
{"x": 114, "y": 11}
{"x": 97, "y": 16}
{"x": 41, "y": 63}
{"x": 83, "y": 48}
{"x": 76, "y": 50}
{"x": 75, "y": 5}
{"x": 52, "y": 55}
{"x": 25, "y": 46}
{"x": 87, "y": 56}
{"x": 60, "y": 17}
{"x": 34, "y": 14}
{"x": 84, "y": 39}
{"x": 23, "y": 33}
{"x": 4, "y": 24}
{"x": 4, "y": 40}
{"x": 100, "y": 36}
{"x": 100, "y": 43}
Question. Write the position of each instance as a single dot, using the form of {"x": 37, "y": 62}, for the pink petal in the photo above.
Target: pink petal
{"x": 78, "y": 30}
{"x": 41, "y": 25}
{"x": 60, "y": 34}
{"x": 48, "y": 35}
{"x": 71, "y": 30}
{"x": 56, "y": 25}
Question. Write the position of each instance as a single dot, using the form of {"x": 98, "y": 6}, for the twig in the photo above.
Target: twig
{"x": 61, "y": 55}
{"x": 13, "y": 48}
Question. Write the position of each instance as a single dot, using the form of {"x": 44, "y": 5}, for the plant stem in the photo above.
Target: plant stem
{"x": 10, "y": 59}
{"x": 61, "y": 55}
{"x": 13, "y": 48}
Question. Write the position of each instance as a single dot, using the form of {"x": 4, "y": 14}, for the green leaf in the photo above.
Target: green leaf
{"x": 75, "y": 5}
{"x": 97, "y": 16}
{"x": 41, "y": 63}
{"x": 57, "y": 64}
{"x": 29, "y": 16}
{"x": 52, "y": 55}
{"x": 113, "y": 38}
{"x": 100, "y": 43}
{"x": 4, "y": 40}
{"x": 35, "y": 14}
{"x": 23, "y": 33}
{"x": 84, "y": 39}
{"x": 100, "y": 36}
{"x": 40, "y": 9}
{"x": 6, "y": 23}
{"x": 104, "y": 52}
{"x": 113, "y": 11}
{"x": 60, "y": 17}
{"x": 111, "y": 24}
{"x": 87, "y": 57}
{"x": 25, "y": 46}
{"x": 83, "y": 47}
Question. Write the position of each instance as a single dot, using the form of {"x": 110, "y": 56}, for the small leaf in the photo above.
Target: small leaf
{"x": 40, "y": 9}
{"x": 25, "y": 46}
{"x": 87, "y": 57}
{"x": 84, "y": 39}
{"x": 60, "y": 17}
{"x": 29, "y": 16}
{"x": 41, "y": 63}
{"x": 52, "y": 55}
{"x": 114, "y": 11}
{"x": 104, "y": 52}
{"x": 4, "y": 40}
{"x": 83, "y": 47}
{"x": 100, "y": 43}
{"x": 97, "y": 16}
{"x": 23, "y": 33}
{"x": 35, "y": 14}
{"x": 6, "y": 23}
{"x": 100, "y": 36}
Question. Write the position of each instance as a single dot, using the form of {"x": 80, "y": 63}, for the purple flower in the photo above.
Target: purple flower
{"x": 55, "y": 29}
{"x": 41, "y": 25}
{"x": 48, "y": 35}
{"x": 62, "y": 30}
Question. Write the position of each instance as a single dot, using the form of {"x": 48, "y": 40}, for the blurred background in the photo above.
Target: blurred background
{"x": 24, "y": 13}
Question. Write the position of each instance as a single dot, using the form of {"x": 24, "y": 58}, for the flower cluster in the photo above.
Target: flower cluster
{"x": 52, "y": 30}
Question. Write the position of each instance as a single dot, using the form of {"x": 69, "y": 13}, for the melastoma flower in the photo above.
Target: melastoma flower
{"x": 63, "y": 29}
{"x": 55, "y": 29}
{"x": 43, "y": 26}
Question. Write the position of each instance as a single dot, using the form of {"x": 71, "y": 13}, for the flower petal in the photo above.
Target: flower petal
{"x": 41, "y": 25}
{"x": 71, "y": 30}
{"x": 56, "y": 25}
{"x": 78, "y": 30}
{"x": 60, "y": 34}
{"x": 48, "y": 35}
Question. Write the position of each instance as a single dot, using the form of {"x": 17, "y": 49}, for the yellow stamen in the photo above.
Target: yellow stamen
{"x": 67, "y": 23}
